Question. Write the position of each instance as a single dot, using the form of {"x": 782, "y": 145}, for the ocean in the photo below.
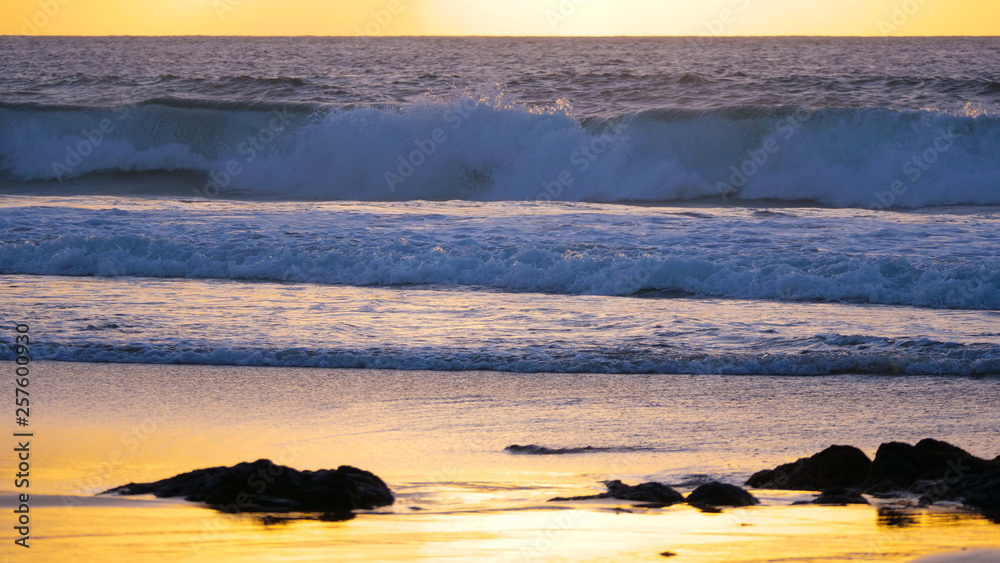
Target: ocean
{"x": 705, "y": 256}
{"x": 688, "y": 205}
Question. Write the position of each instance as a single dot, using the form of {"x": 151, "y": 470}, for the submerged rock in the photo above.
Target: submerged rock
{"x": 656, "y": 493}
{"x": 834, "y": 467}
{"x": 899, "y": 467}
{"x": 840, "y": 497}
{"x": 263, "y": 486}
{"x": 936, "y": 470}
{"x": 720, "y": 494}
{"x": 982, "y": 491}
{"x": 533, "y": 449}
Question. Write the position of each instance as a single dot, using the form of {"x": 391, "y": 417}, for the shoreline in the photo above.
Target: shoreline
{"x": 438, "y": 439}
{"x": 147, "y": 530}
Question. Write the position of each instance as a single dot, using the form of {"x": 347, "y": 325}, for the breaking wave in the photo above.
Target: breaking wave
{"x": 485, "y": 148}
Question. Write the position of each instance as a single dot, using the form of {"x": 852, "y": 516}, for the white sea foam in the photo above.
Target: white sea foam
{"x": 939, "y": 260}
{"x": 484, "y": 148}
{"x": 974, "y": 361}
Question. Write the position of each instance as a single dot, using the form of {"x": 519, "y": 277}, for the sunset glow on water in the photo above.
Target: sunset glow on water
{"x": 442, "y": 280}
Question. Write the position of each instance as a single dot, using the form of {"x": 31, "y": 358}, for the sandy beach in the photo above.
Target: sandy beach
{"x": 438, "y": 440}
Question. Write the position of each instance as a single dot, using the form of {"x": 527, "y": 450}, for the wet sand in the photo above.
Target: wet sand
{"x": 438, "y": 439}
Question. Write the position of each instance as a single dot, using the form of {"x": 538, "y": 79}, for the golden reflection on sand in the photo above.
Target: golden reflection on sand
{"x": 137, "y": 531}
{"x": 457, "y": 500}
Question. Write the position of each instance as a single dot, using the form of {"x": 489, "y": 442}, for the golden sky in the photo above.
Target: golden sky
{"x": 500, "y": 17}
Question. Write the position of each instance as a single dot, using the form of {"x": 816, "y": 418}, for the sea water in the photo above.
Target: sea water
{"x": 629, "y": 244}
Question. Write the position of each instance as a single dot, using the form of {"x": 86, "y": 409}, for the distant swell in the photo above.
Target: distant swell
{"x": 488, "y": 149}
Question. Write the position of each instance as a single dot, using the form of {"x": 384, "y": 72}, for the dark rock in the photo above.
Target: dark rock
{"x": 668, "y": 554}
{"x": 937, "y": 471}
{"x": 533, "y": 449}
{"x": 980, "y": 491}
{"x": 262, "y": 486}
{"x": 694, "y": 481}
{"x": 645, "y": 492}
{"x": 657, "y": 493}
{"x": 898, "y": 466}
{"x": 336, "y": 516}
{"x": 720, "y": 494}
{"x": 834, "y": 467}
{"x": 840, "y": 497}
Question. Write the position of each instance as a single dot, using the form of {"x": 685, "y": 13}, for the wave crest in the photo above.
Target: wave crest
{"x": 485, "y": 148}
